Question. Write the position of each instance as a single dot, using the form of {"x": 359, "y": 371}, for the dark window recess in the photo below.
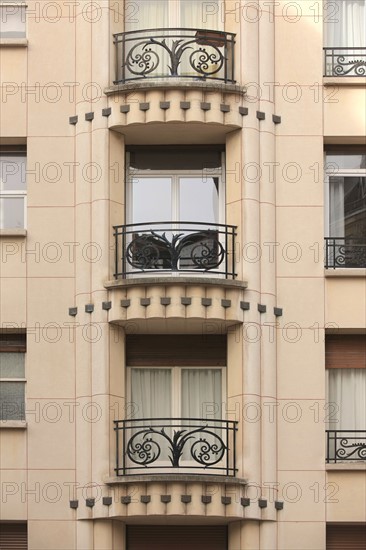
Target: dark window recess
{"x": 177, "y": 537}
{"x": 176, "y": 350}
{"x": 13, "y": 342}
{"x": 163, "y": 157}
{"x": 13, "y": 535}
{"x": 346, "y": 537}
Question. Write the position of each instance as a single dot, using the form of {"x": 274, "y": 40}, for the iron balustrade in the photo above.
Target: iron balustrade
{"x": 175, "y": 445}
{"x": 199, "y": 54}
{"x": 346, "y": 445}
{"x": 345, "y": 252}
{"x": 165, "y": 247}
{"x": 344, "y": 61}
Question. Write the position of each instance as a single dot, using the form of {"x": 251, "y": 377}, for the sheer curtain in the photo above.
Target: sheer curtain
{"x": 151, "y": 392}
{"x": 201, "y": 387}
{"x": 336, "y": 206}
{"x": 347, "y": 389}
{"x": 345, "y": 27}
{"x": 200, "y": 14}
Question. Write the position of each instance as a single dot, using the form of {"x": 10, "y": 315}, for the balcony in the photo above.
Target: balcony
{"x": 174, "y": 247}
{"x": 345, "y": 252}
{"x": 344, "y": 62}
{"x": 174, "y": 53}
{"x": 346, "y": 445}
{"x": 175, "y": 445}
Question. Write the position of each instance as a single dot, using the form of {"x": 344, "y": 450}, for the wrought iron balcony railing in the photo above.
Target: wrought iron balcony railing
{"x": 175, "y": 445}
{"x": 345, "y": 252}
{"x": 164, "y": 53}
{"x": 166, "y": 247}
{"x": 346, "y": 445}
{"x": 344, "y": 61}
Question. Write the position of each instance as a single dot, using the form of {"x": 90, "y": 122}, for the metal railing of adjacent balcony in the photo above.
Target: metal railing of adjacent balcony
{"x": 346, "y": 445}
{"x": 175, "y": 445}
{"x": 165, "y": 247}
{"x": 199, "y": 54}
{"x": 345, "y": 252}
{"x": 344, "y": 61}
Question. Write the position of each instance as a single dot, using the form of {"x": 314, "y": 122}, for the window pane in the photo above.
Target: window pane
{"x": 145, "y": 14}
{"x": 12, "y": 395}
{"x": 347, "y": 207}
{"x": 199, "y": 199}
{"x": 12, "y": 172}
{"x": 347, "y": 389}
{"x": 201, "y": 393}
{"x": 12, "y": 21}
{"x": 151, "y": 393}
{"x": 200, "y": 14}
{"x": 345, "y": 161}
{"x": 11, "y": 365}
{"x": 11, "y": 213}
{"x": 151, "y": 199}
{"x": 345, "y": 27}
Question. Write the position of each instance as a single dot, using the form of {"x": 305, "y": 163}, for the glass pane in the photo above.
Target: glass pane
{"x": 12, "y": 396}
{"x": 199, "y": 199}
{"x": 12, "y": 172}
{"x": 151, "y": 199}
{"x": 12, "y": 21}
{"x": 11, "y": 213}
{"x": 200, "y": 14}
{"x": 345, "y": 27}
{"x": 145, "y": 14}
{"x": 201, "y": 393}
{"x": 348, "y": 207}
{"x": 11, "y": 365}
{"x": 151, "y": 393}
{"x": 346, "y": 161}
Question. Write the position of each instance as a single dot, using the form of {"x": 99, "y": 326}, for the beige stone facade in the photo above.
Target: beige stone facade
{"x": 273, "y": 120}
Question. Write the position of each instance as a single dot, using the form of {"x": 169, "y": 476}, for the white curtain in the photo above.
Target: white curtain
{"x": 347, "y": 389}
{"x": 201, "y": 387}
{"x": 146, "y": 14}
{"x": 345, "y": 24}
{"x": 200, "y": 14}
{"x": 336, "y": 206}
{"x": 151, "y": 393}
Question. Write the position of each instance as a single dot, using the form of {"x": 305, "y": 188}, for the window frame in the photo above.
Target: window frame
{"x": 11, "y": 193}
{"x": 21, "y": 348}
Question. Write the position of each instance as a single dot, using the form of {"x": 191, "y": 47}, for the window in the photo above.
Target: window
{"x": 12, "y": 19}
{"x": 142, "y": 14}
{"x": 176, "y": 389}
{"x": 346, "y": 184}
{"x": 345, "y": 24}
{"x": 345, "y": 38}
{"x": 12, "y": 188}
{"x": 175, "y": 203}
{"x": 350, "y": 537}
{"x": 12, "y": 376}
{"x": 346, "y": 367}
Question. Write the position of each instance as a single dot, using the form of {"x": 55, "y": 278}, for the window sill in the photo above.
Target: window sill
{"x": 13, "y": 232}
{"x": 344, "y": 81}
{"x": 345, "y": 272}
{"x": 13, "y": 424}
{"x": 344, "y": 466}
{"x": 13, "y": 43}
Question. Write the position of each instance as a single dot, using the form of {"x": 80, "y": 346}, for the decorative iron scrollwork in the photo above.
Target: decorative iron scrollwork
{"x": 350, "y": 451}
{"x": 344, "y": 66}
{"x": 144, "y": 58}
{"x": 144, "y": 449}
{"x": 152, "y": 250}
{"x": 345, "y": 252}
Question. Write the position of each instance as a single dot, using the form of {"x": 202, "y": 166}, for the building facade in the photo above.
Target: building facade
{"x": 182, "y": 274}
